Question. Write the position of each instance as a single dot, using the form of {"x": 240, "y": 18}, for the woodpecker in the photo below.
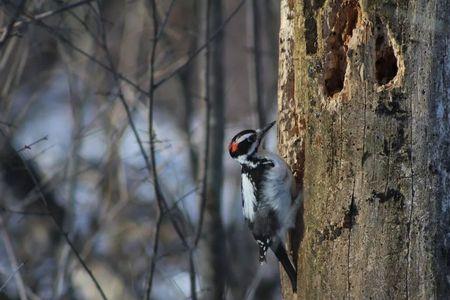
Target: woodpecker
{"x": 269, "y": 197}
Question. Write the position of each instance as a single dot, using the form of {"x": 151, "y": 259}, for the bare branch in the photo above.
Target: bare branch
{"x": 147, "y": 161}
{"x": 19, "y": 212}
{"x": 11, "y": 276}
{"x": 38, "y": 17}
{"x": 150, "y": 165}
{"x": 166, "y": 19}
{"x": 28, "y": 147}
{"x": 154, "y": 257}
{"x": 62, "y": 232}
{"x": 13, "y": 261}
{"x": 159, "y": 196}
{"x": 66, "y": 41}
{"x": 206, "y": 96}
{"x": 6, "y": 33}
{"x": 121, "y": 76}
{"x": 200, "y": 49}
{"x": 192, "y": 275}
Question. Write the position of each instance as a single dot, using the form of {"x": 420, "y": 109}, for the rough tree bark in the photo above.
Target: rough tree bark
{"x": 364, "y": 121}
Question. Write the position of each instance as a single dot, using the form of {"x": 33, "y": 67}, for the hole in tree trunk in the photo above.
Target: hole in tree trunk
{"x": 339, "y": 27}
{"x": 385, "y": 61}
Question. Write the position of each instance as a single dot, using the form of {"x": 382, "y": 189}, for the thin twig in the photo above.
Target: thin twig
{"x": 154, "y": 257}
{"x": 11, "y": 276}
{"x": 175, "y": 203}
{"x": 19, "y": 212}
{"x": 83, "y": 23}
{"x": 6, "y": 33}
{"x": 134, "y": 129}
{"x": 162, "y": 204}
{"x": 119, "y": 75}
{"x": 151, "y": 99}
{"x": 65, "y": 40}
{"x": 157, "y": 189}
{"x": 166, "y": 19}
{"x": 28, "y": 147}
{"x": 41, "y": 16}
{"x": 63, "y": 233}
{"x": 13, "y": 261}
{"x": 192, "y": 275}
{"x": 200, "y": 49}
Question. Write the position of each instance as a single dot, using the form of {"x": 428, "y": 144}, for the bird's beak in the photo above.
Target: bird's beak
{"x": 262, "y": 132}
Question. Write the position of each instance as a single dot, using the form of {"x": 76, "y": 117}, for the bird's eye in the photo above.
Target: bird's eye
{"x": 251, "y": 138}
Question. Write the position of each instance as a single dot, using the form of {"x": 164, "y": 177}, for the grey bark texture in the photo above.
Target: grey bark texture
{"x": 364, "y": 121}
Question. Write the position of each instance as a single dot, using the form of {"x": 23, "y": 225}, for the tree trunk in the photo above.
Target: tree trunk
{"x": 364, "y": 121}
{"x": 255, "y": 64}
{"x": 213, "y": 244}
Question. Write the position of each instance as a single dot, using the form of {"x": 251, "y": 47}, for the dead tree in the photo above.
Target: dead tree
{"x": 364, "y": 122}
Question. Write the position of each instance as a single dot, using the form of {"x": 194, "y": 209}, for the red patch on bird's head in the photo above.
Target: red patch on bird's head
{"x": 233, "y": 147}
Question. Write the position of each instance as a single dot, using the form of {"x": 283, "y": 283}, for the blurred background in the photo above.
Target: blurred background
{"x": 82, "y": 180}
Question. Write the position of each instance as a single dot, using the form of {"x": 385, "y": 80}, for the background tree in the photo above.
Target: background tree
{"x": 364, "y": 119}
{"x": 105, "y": 107}
{"x": 214, "y": 265}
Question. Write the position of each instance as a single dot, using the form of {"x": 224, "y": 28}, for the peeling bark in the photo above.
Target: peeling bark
{"x": 364, "y": 121}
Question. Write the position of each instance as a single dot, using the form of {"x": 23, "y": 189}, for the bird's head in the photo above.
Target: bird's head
{"x": 245, "y": 144}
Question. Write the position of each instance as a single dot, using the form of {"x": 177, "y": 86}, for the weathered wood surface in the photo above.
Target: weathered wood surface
{"x": 364, "y": 120}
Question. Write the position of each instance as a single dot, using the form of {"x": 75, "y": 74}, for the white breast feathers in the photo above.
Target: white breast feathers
{"x": 249, "y": 198}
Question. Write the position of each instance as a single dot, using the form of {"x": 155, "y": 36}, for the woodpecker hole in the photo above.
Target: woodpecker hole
{"x": 338, "y": 29}
{"x": 386, "y": 66}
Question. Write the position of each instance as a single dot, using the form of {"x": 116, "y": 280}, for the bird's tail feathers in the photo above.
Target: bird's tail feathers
{"x": 281, "y": 254}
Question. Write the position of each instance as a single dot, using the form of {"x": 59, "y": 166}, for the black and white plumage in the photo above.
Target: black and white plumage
{"x": 269, "y": 199}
